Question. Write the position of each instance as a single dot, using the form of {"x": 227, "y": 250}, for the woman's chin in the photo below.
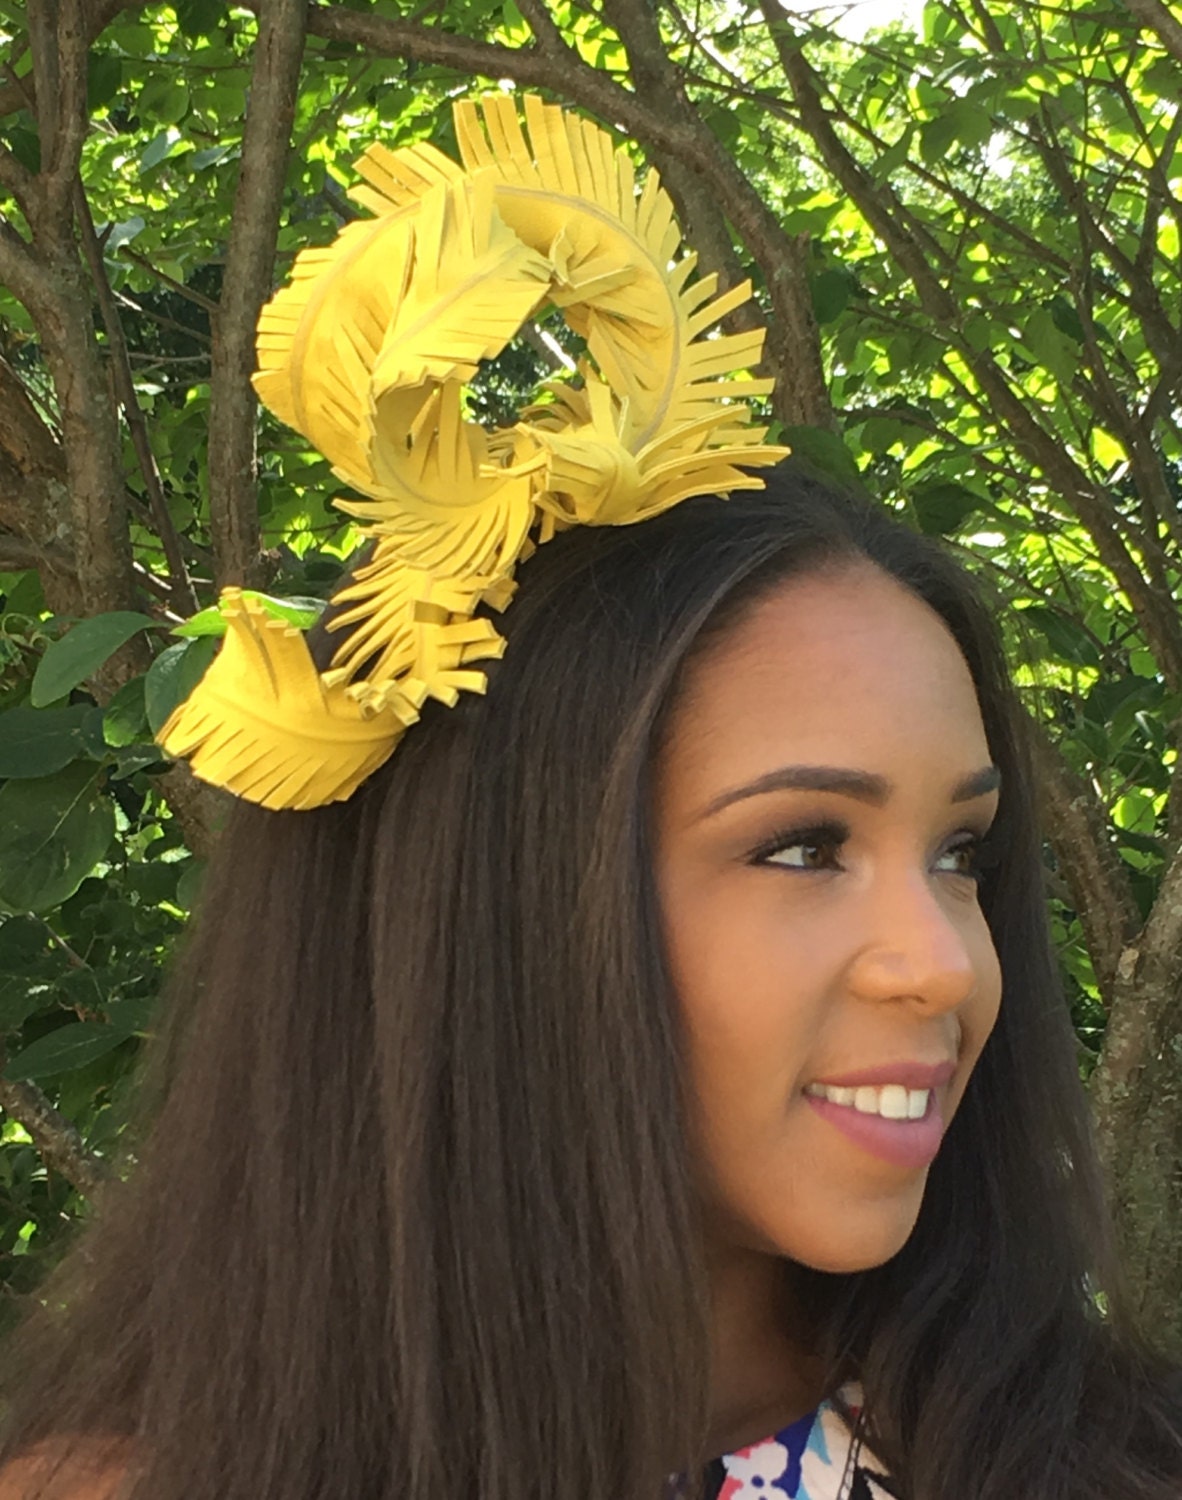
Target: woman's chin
{"x": 852, "y": 1241}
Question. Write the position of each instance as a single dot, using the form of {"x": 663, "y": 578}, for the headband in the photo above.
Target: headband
{"x": 367, "y": 352}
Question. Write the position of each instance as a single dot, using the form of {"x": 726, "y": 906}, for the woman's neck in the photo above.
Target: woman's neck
{"x": 761, "y": 1377}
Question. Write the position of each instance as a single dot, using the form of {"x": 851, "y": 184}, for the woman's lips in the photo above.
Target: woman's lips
{"x": 904, "y": 1143}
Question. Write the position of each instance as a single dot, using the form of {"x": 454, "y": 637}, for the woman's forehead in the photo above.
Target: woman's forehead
{"x": 844, "y": 668}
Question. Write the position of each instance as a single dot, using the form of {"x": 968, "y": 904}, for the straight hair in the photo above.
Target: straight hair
{"x": 412, "y": 1212}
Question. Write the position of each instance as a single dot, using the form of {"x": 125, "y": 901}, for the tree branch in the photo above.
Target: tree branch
{"x": 90, "y": 438}
{"x": 57, "y": 1140}
{"x": 152, "y": 315}
{"x": 233, "y": 474}
{"x": 207, "y": 304}
{"x": 1144, "y": 1014}
{"x": 24, "y": 438}
{"x": 1161, "y": 941}
{"x": 14, "y": 97}
{"x": 201, "y": 808}
{"x": 184, "y": 597}
{"x": 1076, "y": 825}
{"x": 43, "y": 46}
{"x": 16, "y": 179}
{"x": 549, "y": 38}
{"x": 20, "y": 271}
{"x": 1154, "y": 16}
{"x": 60, "y": 40}
{"x": 18, "y": 553}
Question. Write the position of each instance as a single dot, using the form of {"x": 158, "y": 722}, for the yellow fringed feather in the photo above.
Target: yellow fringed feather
{"x": 366, "y": 352}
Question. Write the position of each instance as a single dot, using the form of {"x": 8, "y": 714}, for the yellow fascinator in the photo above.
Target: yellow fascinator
{"x": 367, "y": 352}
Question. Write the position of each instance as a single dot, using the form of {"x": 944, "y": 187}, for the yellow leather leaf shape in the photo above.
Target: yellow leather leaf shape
{"x": 263, "y": 723}
{"x": 474, "y": 283}
{"x": 318, "y": 337}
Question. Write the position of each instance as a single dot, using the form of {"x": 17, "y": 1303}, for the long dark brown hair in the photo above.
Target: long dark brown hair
{"x": 413, "y": 1218}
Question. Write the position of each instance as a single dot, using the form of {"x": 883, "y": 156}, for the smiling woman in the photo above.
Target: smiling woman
{"x": 653, "y": 1080}
{"x": 827, "y": 944}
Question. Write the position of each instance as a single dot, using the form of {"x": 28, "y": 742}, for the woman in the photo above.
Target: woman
{"x": 484, "y": 1163}
{"x": 651, "y": 1081}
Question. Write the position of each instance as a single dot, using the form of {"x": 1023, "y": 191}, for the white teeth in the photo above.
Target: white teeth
{"x": 892, "y": 1101}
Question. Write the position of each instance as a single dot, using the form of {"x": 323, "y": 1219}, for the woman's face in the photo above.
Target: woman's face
{"x": 825, "y": 775}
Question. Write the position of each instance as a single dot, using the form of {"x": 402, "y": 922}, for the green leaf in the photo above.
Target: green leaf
{"x": 209, "y": 621}
{"x": 813, "y": 219}
{"x": 209, "y": 157}
{"x": 974, "y": 125}
{"x": 163, "y": 101}
{"x": 104, "y": 76}
{"x": 960, "y": 123}
{"x": 300, "y": 610}
{"x": 71, "y": 1046}
{"x": 157, "y": 149}
{"x": 936, "y": 136}
{"x": 52, "y": 834}
{"x": 943, "y": 508}
{"x": 25, "y": 146}
{"x": 199, "y": 17}
{"x": 188, "y": 887}
{"x": 1066, "y": 318}
{"x": 122, "y": 234}
{"x": 880, "y": 434}
{"x": 39, "y": 742}
{"x": 125, "y": 719}
{"x": 831, "y": 292}
{"x": 1065, "y": 636}
{"x": 26, "y": 596}
{"x": 941, "y": 23}
{"x": 141, "y": 756}
{"x": 893, "y": 157}
{"x": 131, "y": 1014}
{"x": 1050, "y": 346}
{"x": 22, "y": 939}
{"x": 824, "y": 451}
{"x": 228, "y": 100}
{"x": 90, "y": 733}
{"x": 81, "y": 651}
{"x": 22, "y": 996}
{"x": 1163, "y": 77}
{"x": 1135, "y": 812}
{"x": 24, "y": 986}
{"x": 173, "y": 676}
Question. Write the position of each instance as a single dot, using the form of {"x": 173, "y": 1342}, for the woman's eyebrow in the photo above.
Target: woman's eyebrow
{"x": 866, "y": 786}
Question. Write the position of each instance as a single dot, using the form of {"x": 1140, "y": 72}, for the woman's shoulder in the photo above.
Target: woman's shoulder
{"x": 59, "y": 1469}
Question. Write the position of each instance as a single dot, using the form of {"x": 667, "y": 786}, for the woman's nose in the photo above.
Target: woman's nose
{"x": 914, "y": 947}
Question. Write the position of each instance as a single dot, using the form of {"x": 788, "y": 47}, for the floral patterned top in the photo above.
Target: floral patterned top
{"x": 819, "y": 1457}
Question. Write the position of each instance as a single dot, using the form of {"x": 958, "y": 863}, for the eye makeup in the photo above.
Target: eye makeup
{"x": 983, "y": 849}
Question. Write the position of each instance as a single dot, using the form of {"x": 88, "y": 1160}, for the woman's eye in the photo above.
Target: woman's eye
{"x": 975, "y": 857}
{"x": 963, "y": 857}
{"x": 816, "y": 848}
{"x": 806, "y": 855}
{"x": 803, "y": 848}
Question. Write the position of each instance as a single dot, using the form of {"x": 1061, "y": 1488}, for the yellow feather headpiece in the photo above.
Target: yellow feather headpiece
{"x": 366, "y": 353}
